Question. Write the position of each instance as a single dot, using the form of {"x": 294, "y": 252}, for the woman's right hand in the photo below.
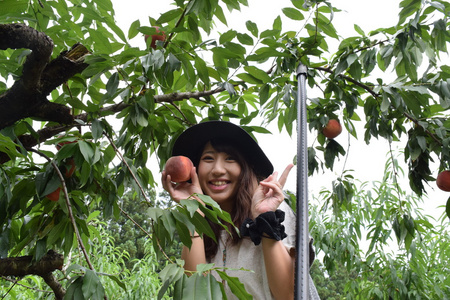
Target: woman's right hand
{"x": 182, "y": 190}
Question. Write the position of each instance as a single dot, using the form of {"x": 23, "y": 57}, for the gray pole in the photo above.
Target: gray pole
{"x": 302, "y": 230}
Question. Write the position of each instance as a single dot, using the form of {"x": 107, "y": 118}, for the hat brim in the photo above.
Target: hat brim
{"x": 191, "y": 142}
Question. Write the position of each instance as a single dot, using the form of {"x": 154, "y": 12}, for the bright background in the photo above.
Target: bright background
{"x": 367, "y": 161}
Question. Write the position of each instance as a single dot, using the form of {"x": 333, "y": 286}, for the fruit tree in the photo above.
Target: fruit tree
{"x": 70, "y": 73}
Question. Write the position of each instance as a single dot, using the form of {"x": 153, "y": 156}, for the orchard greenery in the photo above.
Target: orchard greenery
{"x": 69, "y": 74}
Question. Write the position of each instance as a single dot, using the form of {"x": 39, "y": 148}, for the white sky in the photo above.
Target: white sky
{"x": 367, "y": 161}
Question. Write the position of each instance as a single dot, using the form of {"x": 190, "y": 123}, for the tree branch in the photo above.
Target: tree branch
{"x": 28, "y": 141}
{"x": 24, "y": 265}
{"x": 69, "y": 208}
{"x": 355, "y": 82}
{"x": 28, "y": 95}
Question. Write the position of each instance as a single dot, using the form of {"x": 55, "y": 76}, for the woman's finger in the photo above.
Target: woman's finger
{"x": 194, "y": 177}
{"x": 285, "y": 174}
{"x": 274, "y": 186}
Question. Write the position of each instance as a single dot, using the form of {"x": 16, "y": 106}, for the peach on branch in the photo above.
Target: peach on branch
{"x": 332, "y": 129}
{"x": 70, "y": 163}
{"x": 159, "y": 36}
{"x": 443, "y": 181}
{"x": 54, "y": 196}
{"x": 179, "y": 168}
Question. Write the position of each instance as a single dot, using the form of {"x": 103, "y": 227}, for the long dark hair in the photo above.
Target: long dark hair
{"x": 243, "y": 202}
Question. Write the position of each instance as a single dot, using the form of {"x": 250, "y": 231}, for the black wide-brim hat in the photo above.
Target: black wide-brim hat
{"x": 192, "y": 141}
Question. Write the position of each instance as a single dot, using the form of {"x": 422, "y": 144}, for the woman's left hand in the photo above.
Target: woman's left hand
{"x": 269, "y": 193}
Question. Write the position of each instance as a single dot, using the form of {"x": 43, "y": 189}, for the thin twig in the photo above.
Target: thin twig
{"x": 23, "y": 285}
{"x": 69, "y": 207}
{"x": 128, "y": 167}
{"x": 148, "y": 234}
{"x": 362, "y": 85}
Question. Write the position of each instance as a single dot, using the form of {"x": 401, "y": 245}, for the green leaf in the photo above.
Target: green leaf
{"x": 245, "y": 39}
{"x": 155, "y": 213}
{"x": 56, "y": 233}
{"x": 202, "y": 70}
{"x": 169, "y": 275}
{"x": 220, "y": 15}
{"x": 277, "y": 25}
{"x": 258, "y": 73}
{"x": 169, "y": 16}
{"x": 385, "y": 103}
{"x": 92, "y": 287}
{"x": 190, "y": 205}
{"x": 293, "y": 13}
{"x": 203, "y": 226}
{"x": 447, "y": 207}
{"x": 101, "y": 43}
{"x": 9, "y": 147}
{"x": 249, "y": 78}
{"x": 97, "y": 129}
{"x": 87, "y": 151}
{"x": 199, "y": 286}
{"x": 252, "y": 27}
{"x": 359, "y": 30}
{"x": 112, "y": 84}
{"x": 227, "y": 36}
{"x": 169, "y": 221}
{"x": 133, "y": 30}
{"x": 235, "y": 285}
{"x": 13, "y": 6}
{"x": 409, "y": 7}
{"x": 74, "y": 291}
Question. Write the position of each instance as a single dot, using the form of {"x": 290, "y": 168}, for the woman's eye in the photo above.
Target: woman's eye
{"x": 207, "y": 158}
{"x": 230, "y": 158}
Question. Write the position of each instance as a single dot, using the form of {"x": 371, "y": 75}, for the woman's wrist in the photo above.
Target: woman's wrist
{"x": 268, "y": 224}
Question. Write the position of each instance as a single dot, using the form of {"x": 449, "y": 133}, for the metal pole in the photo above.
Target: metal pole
{"x": 302, "y": 232}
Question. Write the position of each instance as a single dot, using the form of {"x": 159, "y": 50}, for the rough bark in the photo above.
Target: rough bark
{"x": 28, "y": 95}
{"x": 24, "y": 265}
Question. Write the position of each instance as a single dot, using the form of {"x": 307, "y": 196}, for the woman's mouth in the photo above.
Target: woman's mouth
{"x": 218, "y": 184}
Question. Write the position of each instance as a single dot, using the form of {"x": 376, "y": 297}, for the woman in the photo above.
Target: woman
{"x": 231, "y": 168}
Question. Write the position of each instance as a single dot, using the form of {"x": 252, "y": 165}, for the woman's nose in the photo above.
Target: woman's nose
{"x": 219, "y": 167}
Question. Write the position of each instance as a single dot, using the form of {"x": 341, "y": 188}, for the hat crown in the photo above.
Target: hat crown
{"x": 191, "y": 142}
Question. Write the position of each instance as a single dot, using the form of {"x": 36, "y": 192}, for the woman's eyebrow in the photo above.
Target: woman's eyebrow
{"x": 209, "y": 152}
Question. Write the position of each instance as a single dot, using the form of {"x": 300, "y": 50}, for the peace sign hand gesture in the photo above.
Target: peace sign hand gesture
{"x": 269, "y": 193}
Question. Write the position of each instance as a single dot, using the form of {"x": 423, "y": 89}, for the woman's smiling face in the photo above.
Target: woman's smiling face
{"x": 219, "y": 174}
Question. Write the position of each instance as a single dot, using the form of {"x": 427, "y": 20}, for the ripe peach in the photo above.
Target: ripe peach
{"x": 60, "y": 144}
{"x": 70, "y": 163}
{"x": 332, "y": 129}
{"x": 179, "y": 168}
{"x": 69, "y": 171}
{"x": 160, "y": 36}
{"x": 54, "y": 196}
{"x": 443, "y": 181}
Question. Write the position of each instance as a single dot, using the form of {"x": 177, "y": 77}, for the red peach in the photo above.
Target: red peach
{"x": 54, "y": 196}
{"x": 71, "y": 170}
{"x": 160, "y": 36}
{"x": 332, "y": 129}
{"x": 60, "y": 144}
{"x": 69, "y": 162}
{"x": 179, "y": 168}
{"x": 443, "y": 181}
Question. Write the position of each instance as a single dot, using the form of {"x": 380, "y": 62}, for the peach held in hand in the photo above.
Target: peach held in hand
{"x": 179, "y": 168}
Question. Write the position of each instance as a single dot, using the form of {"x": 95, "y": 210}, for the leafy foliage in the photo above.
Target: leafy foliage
{"x": 383, "y": 240}
{"x": 130, "y": 103}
